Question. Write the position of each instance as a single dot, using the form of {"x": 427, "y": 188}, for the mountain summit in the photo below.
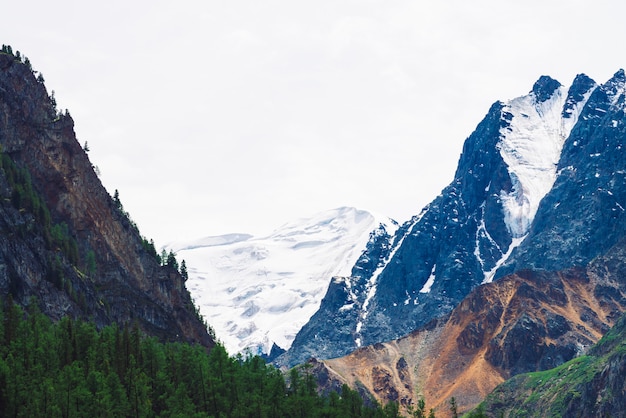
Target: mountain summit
{"x": 538, "y": 185}
{"x": 257, "y": 292}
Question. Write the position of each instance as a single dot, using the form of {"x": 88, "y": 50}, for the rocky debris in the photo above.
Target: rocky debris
{"x": 382, "y": 384}
{"x": 590, "y": 385}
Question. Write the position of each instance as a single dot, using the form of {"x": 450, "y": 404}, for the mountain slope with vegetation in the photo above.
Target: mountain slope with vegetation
{"x": 587, "y": 386}
{"x": 66, "y": 243}
{"x": 93, "y": 321}
{"x": 71, "y": 369}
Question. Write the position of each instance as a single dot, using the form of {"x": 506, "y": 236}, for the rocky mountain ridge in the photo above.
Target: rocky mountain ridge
{"x": 528, "y": 321}
{"x": 68, "y": 245}
{"x": 538, "y": 187}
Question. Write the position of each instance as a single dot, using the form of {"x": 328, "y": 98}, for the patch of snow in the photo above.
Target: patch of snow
{"x": 531, "y": 147}
{"x": 346, "y": 307}
{"x": 482, "y": 230}
{"x": 209, "y": 242}
{"x": 429, "y": 283}
{"x": 515, "y": 242}
{"x": 257, "y": 291}
{"x": 371, "y": 285}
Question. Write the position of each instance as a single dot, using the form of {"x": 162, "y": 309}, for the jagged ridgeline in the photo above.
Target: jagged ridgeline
{"x": 518, "y": 266}
{"x": 539, "y": 186}
{"x": 66, "y": 244}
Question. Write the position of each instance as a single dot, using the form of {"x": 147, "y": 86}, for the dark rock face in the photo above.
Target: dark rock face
{"x": 528, "y": 333}
{"x": 581, "y": 86}
{"x": 523, "y": 348}
{"x": 112, "y": 278}
{"x": 345, "y": 295}
{"x": 545, "y": 87}
{"x": 584, "y": 213}
{"x": 464, "y": 237}
{"x": 590, "y": 386}
{"x": 383, "y": 384}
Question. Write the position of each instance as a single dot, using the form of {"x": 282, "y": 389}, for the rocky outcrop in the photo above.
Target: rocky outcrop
{"x": 529, "y": 321}
{"x": 109, "y": 273}
{"x": 470, "y": 233}
{"x": 588, "y": 386}
{"x": 584, "y": 213}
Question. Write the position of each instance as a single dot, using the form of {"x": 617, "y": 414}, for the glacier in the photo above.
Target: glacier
{"x": 259, "y": 291}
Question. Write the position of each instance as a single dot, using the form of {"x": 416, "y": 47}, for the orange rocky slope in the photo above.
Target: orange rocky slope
{"x": 524, "y": 322}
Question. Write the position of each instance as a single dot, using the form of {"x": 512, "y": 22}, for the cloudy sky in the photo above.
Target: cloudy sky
{"x": 212, "y": 117}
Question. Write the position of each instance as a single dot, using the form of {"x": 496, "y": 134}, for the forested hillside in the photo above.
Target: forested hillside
{"x": 70, "y": 369}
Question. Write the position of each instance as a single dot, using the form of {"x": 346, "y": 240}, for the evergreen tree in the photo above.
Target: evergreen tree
{"x": 453, "y": 407}
{"x": 72, "y": 369}
{"x": 171, "y": 260}
{"x": 183, "y": 270}
{"x": 116, "y": 200}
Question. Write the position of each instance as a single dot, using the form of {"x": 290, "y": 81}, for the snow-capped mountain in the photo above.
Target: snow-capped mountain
{"x": 539, "y": 184}
{"x": 259, "y": 291}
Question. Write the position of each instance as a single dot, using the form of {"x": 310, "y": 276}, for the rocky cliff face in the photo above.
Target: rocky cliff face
{"x": 539, "y": 186}
{"x": 525, "y": 322}
{"x": 538, "y": 235}
{"x": 75, "y": 250}
{"x": 583, "y": 214}
{"x": 588, "y": 386}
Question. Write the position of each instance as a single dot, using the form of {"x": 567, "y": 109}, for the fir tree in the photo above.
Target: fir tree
{"x": 183, "y": 270}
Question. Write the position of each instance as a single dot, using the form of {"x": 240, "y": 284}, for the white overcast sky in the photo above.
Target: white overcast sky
{"x": 212, "y": 117}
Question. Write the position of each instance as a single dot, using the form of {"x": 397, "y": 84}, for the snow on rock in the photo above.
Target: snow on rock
{"x": 531, "y": 145}
{"x": 257, "y": 291}
{"x": 489, "y": 275}
{"x": 429, "y": 283}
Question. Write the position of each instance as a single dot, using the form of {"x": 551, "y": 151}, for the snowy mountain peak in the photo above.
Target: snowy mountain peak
{"x": 544, "y": 88}
{"x": 531, "y": 140}
{"x": 259, "y": 291}
{"x": 522, "y": 162}
{"x": 615, "y": 87}
{"x": 581, "y": 87}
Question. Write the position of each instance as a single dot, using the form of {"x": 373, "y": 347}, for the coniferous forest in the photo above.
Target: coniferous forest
{"x": 71, "y": 369}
